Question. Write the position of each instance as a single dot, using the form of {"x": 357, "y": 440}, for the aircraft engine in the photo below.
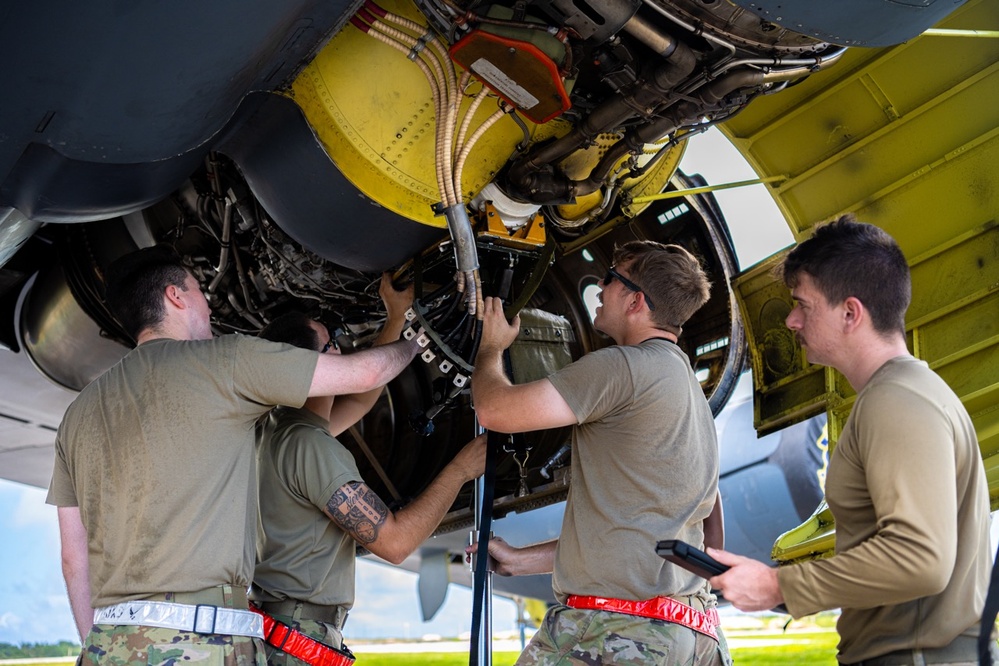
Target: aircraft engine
{"x": 473, "y": 148}
{"x": 251, "y": 271}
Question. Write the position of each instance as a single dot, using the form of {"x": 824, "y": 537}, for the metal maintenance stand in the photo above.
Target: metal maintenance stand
{"x": 485, "y": 646}
{"x": 486, "y": 633}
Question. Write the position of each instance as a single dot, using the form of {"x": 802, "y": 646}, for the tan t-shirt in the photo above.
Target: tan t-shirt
{"x": 644, "y": 468}
{"x": 158, "y": 454}
{"x": 908, "y": 490}
{"x": 301, "y": 553}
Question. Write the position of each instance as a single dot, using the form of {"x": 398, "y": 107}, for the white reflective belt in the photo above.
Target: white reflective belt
{"x": 202, "y": 619}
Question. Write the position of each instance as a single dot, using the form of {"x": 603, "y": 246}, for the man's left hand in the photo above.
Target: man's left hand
{"x": 396, "y": 301}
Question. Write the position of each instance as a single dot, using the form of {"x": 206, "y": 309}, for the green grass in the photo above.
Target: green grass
{"x": 794, "y": 648}
{"x": 430, "y": 659}
{"x": 386, "y": 659}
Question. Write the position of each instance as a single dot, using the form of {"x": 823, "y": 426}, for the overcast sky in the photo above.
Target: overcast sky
{"x": 33, "y": 603}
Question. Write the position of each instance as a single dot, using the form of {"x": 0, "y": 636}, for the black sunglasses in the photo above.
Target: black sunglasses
{"x": 332, "y": 343}
{"x": 613, "y": 274}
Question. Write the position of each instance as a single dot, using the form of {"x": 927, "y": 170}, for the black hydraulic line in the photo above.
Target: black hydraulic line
{"x": 476, "y": 339}
{"x": 418, "y": 277}
{"x": 432, "y": 316}
{"x": 454, "y": 331}
{"x": 494, "y": 447}
{"x": 437, "y": 293}
{"x": 452, "y": 306}
{"x": 536, "y": 276}
{"x": 466, "y": 335}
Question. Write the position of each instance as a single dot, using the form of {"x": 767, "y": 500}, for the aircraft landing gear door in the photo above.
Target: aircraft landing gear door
{"x": 786, "y": 388}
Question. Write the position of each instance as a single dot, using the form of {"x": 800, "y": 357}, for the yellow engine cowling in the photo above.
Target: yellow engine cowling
{"x": 374, "y": 113}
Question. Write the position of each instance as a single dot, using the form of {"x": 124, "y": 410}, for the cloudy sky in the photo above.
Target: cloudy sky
{"x": 34, "y": 607}
{"x": 33, "y": 603}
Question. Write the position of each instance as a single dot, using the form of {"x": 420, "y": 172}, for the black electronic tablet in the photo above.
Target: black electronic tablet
{"x": 692, "y": 559}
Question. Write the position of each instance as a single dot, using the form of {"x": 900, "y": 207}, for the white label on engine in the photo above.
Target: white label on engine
{"x": 507, "y": 86}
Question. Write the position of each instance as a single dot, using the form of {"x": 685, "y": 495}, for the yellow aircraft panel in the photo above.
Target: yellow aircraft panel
{"x": 374, "y": 113}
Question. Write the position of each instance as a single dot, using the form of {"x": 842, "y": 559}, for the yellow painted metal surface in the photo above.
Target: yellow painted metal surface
{"x": 580, "y": 164}
{"x": 788, "y": 388}
{"x": 531, "y": 236}
{"x": 374, "y": 113}
{"x": 653, "y": 182}
{"x": 814, "y": 538}
{"x": 907, "y": 138}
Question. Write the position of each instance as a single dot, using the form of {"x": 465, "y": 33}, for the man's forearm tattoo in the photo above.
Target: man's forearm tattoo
{"x": 357, "y": 510}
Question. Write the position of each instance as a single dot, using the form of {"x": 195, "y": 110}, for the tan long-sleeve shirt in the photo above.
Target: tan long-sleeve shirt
{"x": 908, "y": 490}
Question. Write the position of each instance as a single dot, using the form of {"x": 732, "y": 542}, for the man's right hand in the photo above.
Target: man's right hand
{"x": 497, "y": 332}
{"x": 750, "y": 585}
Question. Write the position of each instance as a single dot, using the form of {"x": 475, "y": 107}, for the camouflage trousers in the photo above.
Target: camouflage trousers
{"x": 588, "y": 637}
{"x": 130, "y": 645}
{"x": 327, "y": 634}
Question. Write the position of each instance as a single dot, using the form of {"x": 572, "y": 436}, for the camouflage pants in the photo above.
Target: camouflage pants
{"x": 587, "y": 637}
{"x": 327, "y": 634}
{"x": 130, "y": 645}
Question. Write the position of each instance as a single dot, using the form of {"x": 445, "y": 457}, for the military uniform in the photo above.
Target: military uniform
{"x": 586, "y": 637}
{"x": 644, "y": 468}
{"x": 157, "y": 453}
{"x": 905, "y": 465}
{"x": 329, "y": 633}
{"x": 128, "y": 645}
{"x": 302, "y": 556}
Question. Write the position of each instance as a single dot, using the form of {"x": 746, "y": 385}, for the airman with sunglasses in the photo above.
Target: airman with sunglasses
{"x": 644, "y": 468}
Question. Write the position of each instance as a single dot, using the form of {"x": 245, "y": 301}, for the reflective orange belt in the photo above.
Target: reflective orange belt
{"x": 295, "y": 643}
{"x": 659, "y": 608}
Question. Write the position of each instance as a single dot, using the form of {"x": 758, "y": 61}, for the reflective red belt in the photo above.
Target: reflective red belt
{"x": 295, "y": 643}
{"x": 659, "y": 608}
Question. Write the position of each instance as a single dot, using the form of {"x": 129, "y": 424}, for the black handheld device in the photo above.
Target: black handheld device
{"x": 694, "y": 560}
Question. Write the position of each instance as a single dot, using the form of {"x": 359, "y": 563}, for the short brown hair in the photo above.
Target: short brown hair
{"x": 848, "y": 258}
{"x": 670, "y": 276}
{"x": 134, "y": 286}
